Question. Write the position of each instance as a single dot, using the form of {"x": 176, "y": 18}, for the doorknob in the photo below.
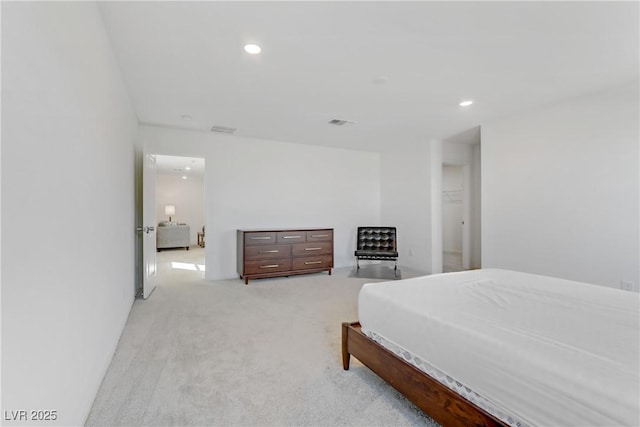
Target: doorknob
{"x": 146, "y": 229}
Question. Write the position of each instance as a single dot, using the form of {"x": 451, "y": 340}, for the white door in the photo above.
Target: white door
{"x": 149, "y": 263}
{"x": 466, "y": 217}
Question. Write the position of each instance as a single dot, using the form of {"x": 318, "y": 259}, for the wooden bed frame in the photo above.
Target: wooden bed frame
{"x": 442, "y": 404}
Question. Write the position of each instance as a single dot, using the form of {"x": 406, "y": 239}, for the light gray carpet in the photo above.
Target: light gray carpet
{"x": 219, "y": 353}
{"x": 376, "y": 271}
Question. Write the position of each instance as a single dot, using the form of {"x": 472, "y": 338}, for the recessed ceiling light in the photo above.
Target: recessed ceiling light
{"x": 253, "y": 49}
{"x": 184, "y": 177}
{"x": 188, "y": 168}
{"x": 466, "y": 103}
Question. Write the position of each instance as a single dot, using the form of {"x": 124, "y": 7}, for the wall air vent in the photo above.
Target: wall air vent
{"x": 340, "y": 122}
{"x": 223, "y": 129}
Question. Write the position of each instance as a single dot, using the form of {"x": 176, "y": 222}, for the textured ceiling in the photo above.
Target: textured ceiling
{"x": 396, "y": 69}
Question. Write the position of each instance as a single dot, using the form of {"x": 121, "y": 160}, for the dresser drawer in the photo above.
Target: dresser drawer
{"x": 322, "y": 261}
{"x": 266, "y": 266}
{"x": 260, "y": 238}
{"x": 319, "y": 235}
{"x": 290, "y": 236}
{"x": 312, "y": 249}
{"x": 267, "y": 251}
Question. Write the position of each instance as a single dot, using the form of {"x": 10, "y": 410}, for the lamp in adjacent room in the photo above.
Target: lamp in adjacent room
{"x": 169, "y": 210}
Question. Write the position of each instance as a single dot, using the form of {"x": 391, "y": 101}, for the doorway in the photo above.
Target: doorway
{"x": 459, "y": 165}
{"x": 180, "y": 213}
{"x": 453, "y": 220}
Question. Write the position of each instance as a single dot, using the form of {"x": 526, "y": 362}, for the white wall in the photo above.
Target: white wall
{"x": 436, "y": 151}
{"x": 251, "y": 183}
{"x": 67, "y": 207}
{"x": 560, "y": 189}
{"x": 187, "y": 195}
{"x": 405, "y": 202}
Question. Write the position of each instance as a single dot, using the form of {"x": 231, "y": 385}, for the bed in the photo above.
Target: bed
{"x": 499, "y": 347}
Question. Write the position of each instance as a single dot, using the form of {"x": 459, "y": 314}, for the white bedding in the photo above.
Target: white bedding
{"x": 546, "y": 351}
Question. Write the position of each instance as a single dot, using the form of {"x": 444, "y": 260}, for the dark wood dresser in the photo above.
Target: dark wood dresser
{"x": 274, "y": 253}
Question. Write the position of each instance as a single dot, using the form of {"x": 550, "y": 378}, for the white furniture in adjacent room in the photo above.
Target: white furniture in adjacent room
{"x": 172, "y": 236}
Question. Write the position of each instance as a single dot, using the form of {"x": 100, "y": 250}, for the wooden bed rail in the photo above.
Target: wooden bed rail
{"x": 436, "y": 400}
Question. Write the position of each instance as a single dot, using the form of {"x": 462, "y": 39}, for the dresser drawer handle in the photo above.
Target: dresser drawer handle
{"x": 312, "y": 262}
{"x": 275, "y": 251}
{"x": 312, "y": 249}
{"x": 319, "y": 235}
{"x": 270, "y": 266}
{"x": 291, "y": 237}
{"x": 261, "y": 238}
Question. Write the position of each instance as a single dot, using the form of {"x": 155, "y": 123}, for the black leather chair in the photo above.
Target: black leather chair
{"x": 377, "y": 243}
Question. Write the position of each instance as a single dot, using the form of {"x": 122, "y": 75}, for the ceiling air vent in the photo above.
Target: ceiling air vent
{"x": 340, "y": 122}
{"x": 223, "y": 129}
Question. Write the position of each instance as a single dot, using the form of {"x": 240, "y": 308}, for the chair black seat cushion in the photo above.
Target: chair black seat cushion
{"x": 376, "y": 254}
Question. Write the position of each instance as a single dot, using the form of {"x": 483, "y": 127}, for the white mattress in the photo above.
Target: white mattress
{"x": 542, "y": 350}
